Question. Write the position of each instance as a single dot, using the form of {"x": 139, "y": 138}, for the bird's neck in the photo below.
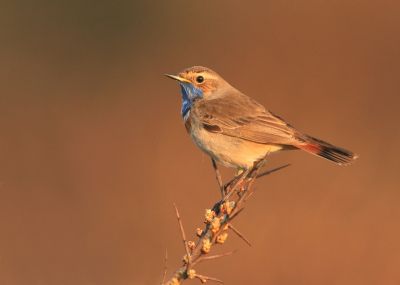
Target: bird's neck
{"x": 190, "y": 94}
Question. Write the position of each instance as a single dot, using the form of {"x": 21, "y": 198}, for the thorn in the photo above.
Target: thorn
{"x": 219, "y": 255}
{"x": 203, "y": 278}
{"x": 251, "y": 193}
{"x": 258, "y": 176}
{"x": 183, "y": 237}
{"x": 239, "y": 234}
{"x": 235, "y": 215}
{"x": 270, "y": 171}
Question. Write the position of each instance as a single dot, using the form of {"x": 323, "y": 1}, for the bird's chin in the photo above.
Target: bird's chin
{"x": 190, "y": 90}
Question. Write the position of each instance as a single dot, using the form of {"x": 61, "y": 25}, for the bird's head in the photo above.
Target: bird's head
{"x": 199, "y": 82}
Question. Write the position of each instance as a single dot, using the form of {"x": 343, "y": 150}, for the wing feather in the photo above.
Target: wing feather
{"x": 244, "y": 118}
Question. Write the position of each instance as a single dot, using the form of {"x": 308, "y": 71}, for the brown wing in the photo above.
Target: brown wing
{"x": 240, "y": 116}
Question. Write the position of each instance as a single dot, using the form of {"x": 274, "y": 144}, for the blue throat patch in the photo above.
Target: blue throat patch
{"x": 189, "y": 94}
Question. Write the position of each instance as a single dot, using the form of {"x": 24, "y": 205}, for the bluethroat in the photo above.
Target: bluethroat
{"x": 237, "y": 131}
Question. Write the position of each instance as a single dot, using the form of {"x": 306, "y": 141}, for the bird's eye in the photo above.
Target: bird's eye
{"x": 200, "y": 79}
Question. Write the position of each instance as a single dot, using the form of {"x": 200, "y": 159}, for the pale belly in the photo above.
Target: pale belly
{"x": 231, "y": 151}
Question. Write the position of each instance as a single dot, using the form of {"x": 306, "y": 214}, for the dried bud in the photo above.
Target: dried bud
{"x": 227, "y": 207}
{"x": 215, "y": 224}
{"x": 230, "y": 207}
{"x": 203, "y": 280}
{"x": 209, "y": 215}
{"x": 223, "y": 207}
{"x": 191, "y": 274}
{"x": 222, "y": 238}
{"x": 185, "y": 258}
{"x": 191, "y": 244}
{"x": 199, "y": 232}
{"x": 206, "y": 246}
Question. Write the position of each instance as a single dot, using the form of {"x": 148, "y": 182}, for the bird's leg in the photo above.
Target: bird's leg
{"x": 218, "y": 176}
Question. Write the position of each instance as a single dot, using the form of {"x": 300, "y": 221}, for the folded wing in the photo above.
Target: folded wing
{"x": 240, "y": 116}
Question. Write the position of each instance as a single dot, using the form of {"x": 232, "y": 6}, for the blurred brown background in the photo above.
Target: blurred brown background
{"x": 93, "y": 152}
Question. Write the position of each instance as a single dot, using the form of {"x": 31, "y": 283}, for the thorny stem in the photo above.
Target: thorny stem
{"x": 211, "y": 234}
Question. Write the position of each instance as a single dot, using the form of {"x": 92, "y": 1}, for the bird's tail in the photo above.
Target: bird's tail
{"x": 326, "y": 150}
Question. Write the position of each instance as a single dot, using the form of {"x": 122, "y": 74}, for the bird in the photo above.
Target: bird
{"x": 234, "y": 129}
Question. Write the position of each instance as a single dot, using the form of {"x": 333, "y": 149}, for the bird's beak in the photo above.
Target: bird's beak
{"x": 177, "y": 77}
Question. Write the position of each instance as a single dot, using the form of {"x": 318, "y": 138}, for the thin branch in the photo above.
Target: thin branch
{"x": 239, "y": 233}
{"x": 165, "y": 268}
{"x": 204, "y": 278}
{"x": 270, "y": 171}
{"x": 219, "y": 255}
{"x": 209, "y": 237}
{"x": 248, "y": 195}
{"x": 218, "y": 176}
{"x": 183, "y": 237}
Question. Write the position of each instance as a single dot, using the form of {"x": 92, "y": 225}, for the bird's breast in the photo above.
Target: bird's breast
{"x": 188, "y": 123}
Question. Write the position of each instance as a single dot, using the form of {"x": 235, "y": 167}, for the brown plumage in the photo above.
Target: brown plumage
{"x": 236, "y": 130}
